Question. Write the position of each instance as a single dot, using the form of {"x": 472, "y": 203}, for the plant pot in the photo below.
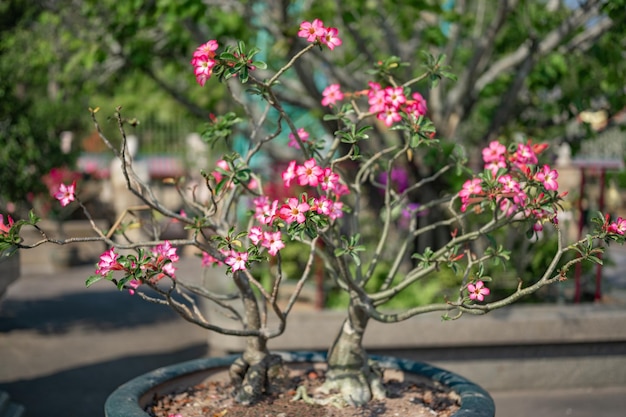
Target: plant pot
{"x": 9, "y": 270}
{"x": 130, "y": 399}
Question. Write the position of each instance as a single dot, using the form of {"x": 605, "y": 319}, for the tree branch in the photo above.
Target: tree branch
{"x": 460, "y": 98}
{"x": 550, "y": 42}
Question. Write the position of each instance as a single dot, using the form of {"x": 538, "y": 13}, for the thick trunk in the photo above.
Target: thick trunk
{"x": 349, "y": 371}
{"x": 256, "y": 372}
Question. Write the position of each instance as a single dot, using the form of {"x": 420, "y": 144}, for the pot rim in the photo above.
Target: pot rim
{"x": 124, "y": 401}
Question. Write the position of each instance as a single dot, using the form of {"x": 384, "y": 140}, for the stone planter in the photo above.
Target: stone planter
{"x": 130, "y": 399}
{"x": 530, "y": 347}
{"x": 9, "y": 271}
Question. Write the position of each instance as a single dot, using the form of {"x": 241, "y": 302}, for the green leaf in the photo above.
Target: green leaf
{"x": 241, "y": 47}
{"x": 92, "y": 280}
{"x": 259, "y": 64}
{"x": 356, "y": 259}
{"x": 595, "y": 260}
{"x": 227, "y": 56}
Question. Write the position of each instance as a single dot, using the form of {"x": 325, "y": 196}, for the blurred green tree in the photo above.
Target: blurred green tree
{"x": 523, "y": 65}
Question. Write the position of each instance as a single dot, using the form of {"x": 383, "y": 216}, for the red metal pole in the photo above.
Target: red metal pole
{"x": 581, "y": 224}
{"x": 598, "y": 294}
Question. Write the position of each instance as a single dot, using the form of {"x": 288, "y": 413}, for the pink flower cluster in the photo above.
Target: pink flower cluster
{"x": 263, "y": 235}
{"x": 388, "y": 103}
{"x": 266, "y": 235}
{"x": 315, "y": 31}
{"x": 511, "y": 171}
{"x": 203, "y": 61}
{"x": 312, "y": 175}
{"x": 156, "y": 265}
{"x": 267, "y": 239}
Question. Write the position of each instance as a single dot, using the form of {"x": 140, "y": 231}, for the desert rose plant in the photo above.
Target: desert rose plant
{"x": 343, "y": 197}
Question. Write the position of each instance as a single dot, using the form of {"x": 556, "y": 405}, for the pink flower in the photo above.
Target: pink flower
{"x": 203, "y": 61}
{"x": 169, "y": 269}
{"x": 265, "y": 212}
{"x": 312, "y": 31}
{"x": 237, "y": 260}
{"x": 525, "y": 155}
{"x": 309, "y": 173}
{"x": 330, "y": 38}
{"x": 389, "y": 115}
{"x": 108, "y": 262}
{"x": 520, "y": 198}
{"x": 272, "y": 241}
{"x": 508, "y": 207}
{"x": 133, "y": 285}
{"x": 509, "y": 185}
{"x": 374, "y": 88}
{"x": 548, "y": 177}
{"x": 293, "y": 211}
{"x": 337, "y": 210}
{"x": 202, "y": 79}
{"x": 165, "y": 255}
{"x": 202, "y": 68}
{"x": 4, "y": 228}
{"x": 494, "y": 152}
{"x": 478, "y": 291}
{"x": 417, "y": 106}
{"x": 470, "y": 187}
{"x": 207, "y": 49}
{"x": 331, "y": 94}
{"x": 618, "y": 227}
{"x": 65, "y": 194}
{"x": 376, "y": 99}
{"x": 302, "y": 134}
{"x": 202, "y": 65}
{"x": 167, "y": 250}
{"x": 323, "y": 206}
{"x": 495, "y": 166}
{"x": 222, "y": 164}
{"x": 208, "y": 260}
{"x": 255, "y": 235}
{"x": 341, "y": 189}
{"x": 328, "y": 180}
{"x": 394, "y": 96}
{"x": 289, "y": 174}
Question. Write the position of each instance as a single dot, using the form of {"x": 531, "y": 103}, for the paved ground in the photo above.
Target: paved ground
{"x": 64, "y": 348}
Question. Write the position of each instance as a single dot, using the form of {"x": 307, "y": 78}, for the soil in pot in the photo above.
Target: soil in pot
{"x": 408, "y": 395}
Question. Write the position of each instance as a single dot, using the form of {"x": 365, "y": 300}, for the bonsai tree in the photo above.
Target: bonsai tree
{"x": 342, "y": 197}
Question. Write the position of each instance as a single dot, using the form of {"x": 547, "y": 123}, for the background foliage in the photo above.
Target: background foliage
{"x": 523, "y": 66}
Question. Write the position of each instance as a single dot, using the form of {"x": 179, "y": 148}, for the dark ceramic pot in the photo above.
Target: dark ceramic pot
{"x": 130, "y": 399}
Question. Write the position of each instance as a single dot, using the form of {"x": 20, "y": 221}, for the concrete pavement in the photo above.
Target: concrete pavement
{"x": 64, "y": 348}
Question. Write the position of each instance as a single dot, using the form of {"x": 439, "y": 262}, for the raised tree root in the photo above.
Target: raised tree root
{"x": 356, "y": 386}
{"x": 251, "y": 381}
